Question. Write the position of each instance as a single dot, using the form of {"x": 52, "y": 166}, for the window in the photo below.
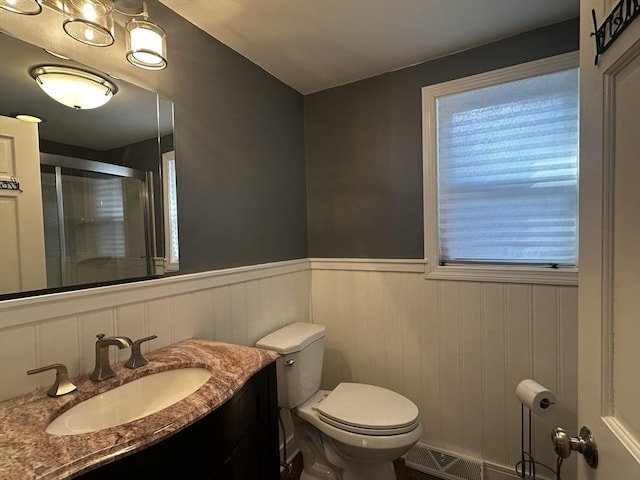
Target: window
{"x": 501, "y": 174}
{"x": 172, "y": 252}
{"x": 108, "y": 214}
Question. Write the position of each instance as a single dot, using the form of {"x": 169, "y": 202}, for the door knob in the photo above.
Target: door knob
{"x": 584, "y": 443}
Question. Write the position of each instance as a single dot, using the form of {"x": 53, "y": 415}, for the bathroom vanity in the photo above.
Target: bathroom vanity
{"x": 227, "y": 429}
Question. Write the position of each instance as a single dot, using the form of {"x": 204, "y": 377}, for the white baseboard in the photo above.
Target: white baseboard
{"x": 493, "y": 471}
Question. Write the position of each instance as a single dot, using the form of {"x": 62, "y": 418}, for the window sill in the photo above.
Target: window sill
{"x": 502, "y": 274}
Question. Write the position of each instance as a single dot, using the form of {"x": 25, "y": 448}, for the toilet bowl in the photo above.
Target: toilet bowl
{"x": 361, "y": 451}
{"x": 353, "y": 432}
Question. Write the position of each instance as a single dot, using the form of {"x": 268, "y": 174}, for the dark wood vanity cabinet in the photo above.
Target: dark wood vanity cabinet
{"x": 237, "y": 441}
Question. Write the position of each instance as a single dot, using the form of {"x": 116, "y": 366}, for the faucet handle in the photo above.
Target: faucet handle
{"x": 136, "y": 359}
{"x": 62, "y": 385}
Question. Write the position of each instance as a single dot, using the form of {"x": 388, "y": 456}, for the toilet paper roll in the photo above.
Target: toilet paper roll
{"x": 535, "y": 397}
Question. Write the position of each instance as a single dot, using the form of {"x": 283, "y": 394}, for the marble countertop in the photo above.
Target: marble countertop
{"x": 28, "y": 452}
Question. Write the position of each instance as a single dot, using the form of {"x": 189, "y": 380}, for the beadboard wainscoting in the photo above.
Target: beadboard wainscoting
{"x": 457, "y": 349}
{"x": 237, "y": 305}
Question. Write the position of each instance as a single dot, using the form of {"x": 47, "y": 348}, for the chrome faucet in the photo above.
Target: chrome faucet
{"x": 103, "y": 370}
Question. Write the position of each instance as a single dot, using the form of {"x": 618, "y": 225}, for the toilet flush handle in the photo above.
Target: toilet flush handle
{"x": 289, "y": 363}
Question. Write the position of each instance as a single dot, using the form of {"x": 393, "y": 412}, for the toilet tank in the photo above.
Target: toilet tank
{"x": 301, "y": 346}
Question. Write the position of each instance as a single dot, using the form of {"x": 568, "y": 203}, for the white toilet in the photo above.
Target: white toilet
{"x": 351, "y": 433}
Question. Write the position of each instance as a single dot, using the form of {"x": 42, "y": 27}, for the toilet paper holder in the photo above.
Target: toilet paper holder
{"x": 584, "y": 443}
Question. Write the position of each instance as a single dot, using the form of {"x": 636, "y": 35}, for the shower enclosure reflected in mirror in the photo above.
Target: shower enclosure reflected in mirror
{"x": 107, "y": 177}
{"x": 96, "y": 226}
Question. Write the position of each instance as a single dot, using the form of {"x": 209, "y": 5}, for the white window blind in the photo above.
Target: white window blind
{"x": 108, "y": 212}
{"x": 507, "y": 172}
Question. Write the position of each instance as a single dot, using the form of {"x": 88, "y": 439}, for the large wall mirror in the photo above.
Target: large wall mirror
{"x": 106, "y": 180}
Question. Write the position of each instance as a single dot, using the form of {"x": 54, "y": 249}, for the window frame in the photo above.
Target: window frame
{"x": 479, "y": 272}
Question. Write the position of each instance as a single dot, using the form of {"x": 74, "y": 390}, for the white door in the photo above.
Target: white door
{"x": 609, "y": 281}
{"x": 22, "y": 258}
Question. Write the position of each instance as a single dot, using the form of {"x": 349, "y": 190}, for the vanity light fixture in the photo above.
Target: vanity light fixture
{"x": 75, "y": 88}
{"x": 93, "y": 22}
{"x": 89, "y": 21}
{"x": 146, "y": 42}
{"x": 24, "y": 7}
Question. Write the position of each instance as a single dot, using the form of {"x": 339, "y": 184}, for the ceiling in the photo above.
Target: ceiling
{"x": 313, "y": 45}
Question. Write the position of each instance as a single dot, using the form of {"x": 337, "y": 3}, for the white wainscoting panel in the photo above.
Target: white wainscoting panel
{"x": 235, "y": 305}
{"x": 458, "y": 349}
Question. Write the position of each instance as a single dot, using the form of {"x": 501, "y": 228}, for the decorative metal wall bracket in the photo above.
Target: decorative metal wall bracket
{"x": 619, "y": 19}
{"x": 10, "y": 184}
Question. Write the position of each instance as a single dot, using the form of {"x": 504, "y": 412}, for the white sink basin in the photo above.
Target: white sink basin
{"x": 129, "y": 402}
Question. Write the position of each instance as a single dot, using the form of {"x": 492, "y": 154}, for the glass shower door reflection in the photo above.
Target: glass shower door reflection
{"x": 100, "y": 234}
{"x": 103, "y": 226}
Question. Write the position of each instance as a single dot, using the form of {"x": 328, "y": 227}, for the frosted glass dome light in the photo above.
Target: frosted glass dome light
{"x": 75, "y": 88}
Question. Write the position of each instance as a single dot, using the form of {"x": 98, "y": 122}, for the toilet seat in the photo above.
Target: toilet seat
{"x": 308, "y": 412}
{"x": 368, "y": 410}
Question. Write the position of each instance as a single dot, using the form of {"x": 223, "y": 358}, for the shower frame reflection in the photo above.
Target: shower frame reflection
{"x": 98, "y": 221}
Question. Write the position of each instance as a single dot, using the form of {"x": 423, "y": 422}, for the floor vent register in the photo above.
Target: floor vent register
{"x": 443, "y": 464}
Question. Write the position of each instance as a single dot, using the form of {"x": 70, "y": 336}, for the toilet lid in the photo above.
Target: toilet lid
{"x": 368, "y": 409}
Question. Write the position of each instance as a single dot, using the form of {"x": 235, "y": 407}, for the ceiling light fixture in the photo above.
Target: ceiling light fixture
{"x": 23, "y": 7}
{"x": 57, "y": 55}
{"x": 92, "y": 22}
{"x": 146, "y": 42}
{"x": 29, "y": 118}
{"x": 89, "y": 21}
{"x": 75, "y": 88}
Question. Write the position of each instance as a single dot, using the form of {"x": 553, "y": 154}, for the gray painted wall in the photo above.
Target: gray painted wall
{"x": 240, "y": 154}
{"x": 239, "y": 140}
{"x": 363, "y": 146}
{"x": 265, "y": 174}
